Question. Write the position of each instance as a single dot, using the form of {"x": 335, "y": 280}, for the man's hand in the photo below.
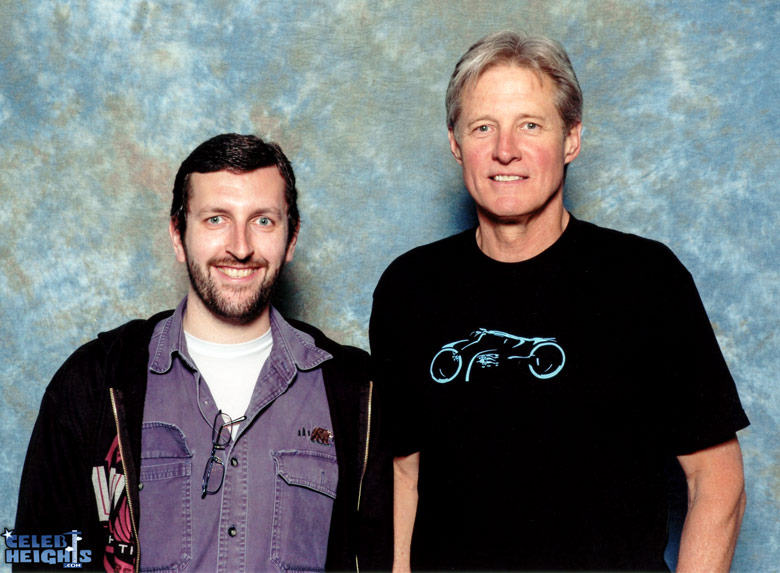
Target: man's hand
{"x": 716, "y": 503}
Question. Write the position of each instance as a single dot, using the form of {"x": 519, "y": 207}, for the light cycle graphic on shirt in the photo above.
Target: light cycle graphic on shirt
{"x": 489, "y": 348}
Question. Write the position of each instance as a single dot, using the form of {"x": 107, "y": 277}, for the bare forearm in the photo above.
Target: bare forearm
{"x": 716, "y": 503}
{"x": 710, "y": 535}
{"x": 405, "y": 472}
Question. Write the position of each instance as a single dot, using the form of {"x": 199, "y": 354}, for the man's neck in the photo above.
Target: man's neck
{"x": 200, "y": 322}
{"x": 516, "y": 241}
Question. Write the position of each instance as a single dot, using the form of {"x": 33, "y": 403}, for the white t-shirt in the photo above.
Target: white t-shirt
{"x": 230, "y": 370}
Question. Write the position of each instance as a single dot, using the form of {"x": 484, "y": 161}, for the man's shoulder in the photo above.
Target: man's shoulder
{"x": 448, "y": 246}
{"x": 619, "y": 247}
{"x": 617, "y": 240}
{"x": 321, "y": 340}
{"x": 136, "y": 330}
{"x": 110, "y": 349}
{"x": 429, "y": 257}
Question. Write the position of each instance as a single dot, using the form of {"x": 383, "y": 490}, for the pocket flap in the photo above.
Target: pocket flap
{"x": 161, "y": 440}
{"x": 314, "y": 470}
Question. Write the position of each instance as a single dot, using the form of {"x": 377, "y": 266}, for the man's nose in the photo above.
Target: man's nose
{"x": 507, "y": 148}
{"x": 240, "y": 244}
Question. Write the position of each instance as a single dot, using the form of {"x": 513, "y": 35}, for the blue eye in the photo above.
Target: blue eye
{"x": 483, "y": 128}
{"x": 215, "y": 220}
{"x": 264, "y": 221}
{"x": 531, "y": 125}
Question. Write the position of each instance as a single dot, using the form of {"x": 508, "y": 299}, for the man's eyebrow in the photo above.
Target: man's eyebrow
{"x": 521, "y": 116}
{"x": 227, "y": 210}
{"x": 268, "y": 210}
{"x": 477, "y": 120}
{"x": 209, "y": 209}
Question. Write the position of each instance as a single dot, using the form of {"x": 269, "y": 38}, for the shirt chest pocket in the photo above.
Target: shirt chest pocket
{"x": 166, "y": 474}
{"x": 304, "y": 490}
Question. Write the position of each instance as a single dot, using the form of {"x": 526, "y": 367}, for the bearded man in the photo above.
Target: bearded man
{"x": 218, "y": 436}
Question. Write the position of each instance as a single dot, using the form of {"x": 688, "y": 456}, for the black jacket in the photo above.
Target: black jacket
{"x": 99, "y": 392}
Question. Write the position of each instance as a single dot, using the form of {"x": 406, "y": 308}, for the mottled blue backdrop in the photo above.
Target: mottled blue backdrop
{"x": 101, "y": 100}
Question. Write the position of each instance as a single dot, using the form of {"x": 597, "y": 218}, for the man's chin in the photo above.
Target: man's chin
{"x": 241, "y": 318}
{"x": 239, "y": 313}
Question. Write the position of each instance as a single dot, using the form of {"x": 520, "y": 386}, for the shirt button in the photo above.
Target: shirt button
{"x": 140, "y": 486}
{"x": 232, "y": 532}
{"x": 233, "y": 462}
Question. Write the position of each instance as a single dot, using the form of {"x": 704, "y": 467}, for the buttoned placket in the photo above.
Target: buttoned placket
{"x": 274, "y": 379}
{"x": 233, "y": 521}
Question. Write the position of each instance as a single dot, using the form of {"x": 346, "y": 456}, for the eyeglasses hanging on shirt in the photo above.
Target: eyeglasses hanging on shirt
{"x": 221, "y": 435}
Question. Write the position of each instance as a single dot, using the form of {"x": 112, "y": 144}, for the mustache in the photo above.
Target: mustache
{"x": 247, "y": 263}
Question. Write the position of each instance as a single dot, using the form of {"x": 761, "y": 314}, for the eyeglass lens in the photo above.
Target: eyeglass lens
{"x": 221, "y": 430}
{"x": 214, "y": 474}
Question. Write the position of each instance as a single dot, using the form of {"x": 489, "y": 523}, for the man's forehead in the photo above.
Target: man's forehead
{"x": 264, "y": 181}
{"x": 540, "y": 78}
{"x": 267, "y": 171}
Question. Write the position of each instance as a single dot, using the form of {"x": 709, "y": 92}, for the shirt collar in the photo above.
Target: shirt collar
{"x": 291, "y": 345}
{"x": 170, "y": 341}
{"x": 297, "y": 346}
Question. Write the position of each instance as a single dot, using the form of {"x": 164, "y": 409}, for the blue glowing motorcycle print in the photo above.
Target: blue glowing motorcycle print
{"x": 489, "y": 348}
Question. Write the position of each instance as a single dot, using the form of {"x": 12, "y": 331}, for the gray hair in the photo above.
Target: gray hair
{"x": 537, "y": 53}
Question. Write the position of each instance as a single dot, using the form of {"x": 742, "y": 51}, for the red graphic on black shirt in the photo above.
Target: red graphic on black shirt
{"x": 108, "y": 482}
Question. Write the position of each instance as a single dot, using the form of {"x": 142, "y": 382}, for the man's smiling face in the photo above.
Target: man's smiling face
{"x": 235, "y": 244}
{"x": 512, "y": 144}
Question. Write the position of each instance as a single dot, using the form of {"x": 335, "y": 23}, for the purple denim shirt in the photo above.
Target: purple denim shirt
{"x": 273, "y": 510}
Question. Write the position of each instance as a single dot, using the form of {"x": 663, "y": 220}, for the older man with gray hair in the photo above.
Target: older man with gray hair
{"x": 544, "y": 370}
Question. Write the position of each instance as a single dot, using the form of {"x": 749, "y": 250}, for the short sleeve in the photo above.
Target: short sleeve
{"x": 703, "y": 401}
{"x": 390, "y": 335}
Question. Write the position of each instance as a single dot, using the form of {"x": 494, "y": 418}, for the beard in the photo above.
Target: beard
{"x": 245, "y": 304}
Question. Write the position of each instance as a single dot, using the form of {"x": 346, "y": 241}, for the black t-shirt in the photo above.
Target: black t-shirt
{"x": 546, "y": 396}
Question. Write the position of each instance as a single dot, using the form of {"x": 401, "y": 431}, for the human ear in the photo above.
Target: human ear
{"x": 455, "y": 146}
{"x": 177, "y": 240}
{"x": 291, "y": 245}
{"x": 572, "y": 142}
